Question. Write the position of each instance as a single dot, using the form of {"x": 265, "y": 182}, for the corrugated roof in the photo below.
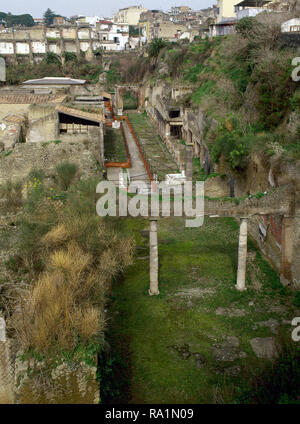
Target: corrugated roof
{"x": 94, "y": 117}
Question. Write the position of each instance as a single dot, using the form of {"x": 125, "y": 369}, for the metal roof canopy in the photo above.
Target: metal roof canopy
{"x": 55, "y": 81}
{"x": 252, "y": 3}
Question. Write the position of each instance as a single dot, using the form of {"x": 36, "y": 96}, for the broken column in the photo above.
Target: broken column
{"x": 286, "y": 257}
{"x": 189, "y": 161}
{"x": 242, "y": 256}
{"x": 119, "y": 101}
{"x": 153, "y": 258}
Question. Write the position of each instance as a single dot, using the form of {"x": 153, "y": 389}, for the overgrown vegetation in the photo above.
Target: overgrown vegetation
{"x": 71, "y": 256}
{"x": 11, "y": 195}
{"x": 51, "y": 66}
{"x": 166, "y": 353}
{"x": 276, "y": 382}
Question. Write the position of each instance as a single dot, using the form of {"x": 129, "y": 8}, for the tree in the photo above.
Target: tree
{"x": 10, "y": 20}
{"x": 49, "y": 15}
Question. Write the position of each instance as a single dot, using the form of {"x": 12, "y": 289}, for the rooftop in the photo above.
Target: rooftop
{"x": 252, "y": 3}
{"x": 30, "y": 98}
{"x": 94, "y": 117}
{"x": 55, "y": 81}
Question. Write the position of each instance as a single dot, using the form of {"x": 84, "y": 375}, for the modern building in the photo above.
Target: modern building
{"x": 169, "y": 31}
{"x": 225, "y": 9}
{"x": 147, "y": 21}
{"x": 224, "y": 27}
{"x": 39, "y": 21}
{"x": 130, "y": 15}
{"x": 90, "y": 20}
{"x": 250, "y": 8}
{"x": 113, "y": 36}
{"x": 59, "y": 20}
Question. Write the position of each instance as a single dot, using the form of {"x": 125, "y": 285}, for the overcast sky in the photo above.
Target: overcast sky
{"x": 93, "y": 7}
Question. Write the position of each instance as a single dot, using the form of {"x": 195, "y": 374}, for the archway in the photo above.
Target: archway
{"x": 128, "y": 97}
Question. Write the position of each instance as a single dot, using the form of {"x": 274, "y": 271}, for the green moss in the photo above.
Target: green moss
{"x": 144, "y": 329}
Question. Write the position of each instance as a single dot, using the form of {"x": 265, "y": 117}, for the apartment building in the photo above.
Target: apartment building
{"x": 130, "y": 15}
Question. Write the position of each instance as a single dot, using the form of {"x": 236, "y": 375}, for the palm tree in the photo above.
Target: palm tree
{"x": 155, "y": 47}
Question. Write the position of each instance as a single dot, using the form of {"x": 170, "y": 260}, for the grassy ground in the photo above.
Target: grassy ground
{"x": 159, "y": 157}
{"x": 114, "y": 146}
{"x": 156, "y": 340}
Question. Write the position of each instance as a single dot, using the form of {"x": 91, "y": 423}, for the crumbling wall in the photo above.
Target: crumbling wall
{"x": 35, "y": 383}
{"x": 263, "y": 173}
{"x": 26, "y": 156}
{"x": 32, "y": 43}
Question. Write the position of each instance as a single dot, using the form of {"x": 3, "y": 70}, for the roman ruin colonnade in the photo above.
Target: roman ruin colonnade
{"x": 274, "y": 203}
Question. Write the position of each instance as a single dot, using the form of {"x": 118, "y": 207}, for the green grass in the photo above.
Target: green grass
{"x": 143, "y": 329}
{"x": 114, "y": 146}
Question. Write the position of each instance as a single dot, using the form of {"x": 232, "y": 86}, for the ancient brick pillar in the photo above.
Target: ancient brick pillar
{"x": 286, "y": 258}
{"x": 153, "y": 258}
{"x": 242, "y": 258}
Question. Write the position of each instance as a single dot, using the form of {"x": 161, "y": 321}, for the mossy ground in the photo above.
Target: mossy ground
{"x": 144, "y": 329}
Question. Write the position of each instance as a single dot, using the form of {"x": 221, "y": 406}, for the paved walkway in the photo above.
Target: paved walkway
{"x": 137, "y": 171}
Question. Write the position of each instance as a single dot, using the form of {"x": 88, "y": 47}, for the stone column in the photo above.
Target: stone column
{"x": 6, "y": 369}
{"x": 189, "y": 161}
{"x": 286, "y": 258}
{"x": 242, "y": 259}
{"x": 153, "y": 258}
{"x": 168, "y": 130}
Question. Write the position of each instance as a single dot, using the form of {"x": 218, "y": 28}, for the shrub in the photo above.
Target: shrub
{"x": 37, "y": 174}
{"x": 11, "y": 192}
{"x": 233, "y": 143}
{"x": 70, "y": 57}
{"x": 65, "y": 174}
{"x": 52, "y": 58}
{"x": 78, "y": 255}
{"x": 278, "y": 381}
{"x": 247, "y": 27}
{"x": 296, "y": 300}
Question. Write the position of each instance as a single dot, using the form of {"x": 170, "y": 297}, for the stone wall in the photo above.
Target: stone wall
{"x": 34, "y": 42}
{"x": 280, "y": 243}
{"x": 43, "y": 123}
{"x": 26, "y": 156}
{"x": 65, "y": 384}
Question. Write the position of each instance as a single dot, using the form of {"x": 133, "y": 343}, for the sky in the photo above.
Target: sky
{"x": 94, "y": 7}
